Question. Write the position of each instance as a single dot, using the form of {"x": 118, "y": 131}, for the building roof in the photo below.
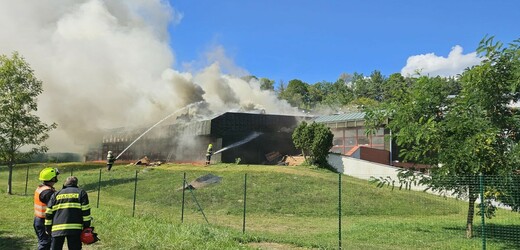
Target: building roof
{"x": 341, "y": 117}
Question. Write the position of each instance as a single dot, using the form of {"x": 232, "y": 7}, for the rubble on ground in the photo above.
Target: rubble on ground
{"x": 202, "y": 181}
{"x": 146, "y": 162}
{"x": 293, "y": 160}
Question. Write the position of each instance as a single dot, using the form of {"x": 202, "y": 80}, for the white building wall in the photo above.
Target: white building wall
{"x": 362, "y": 169}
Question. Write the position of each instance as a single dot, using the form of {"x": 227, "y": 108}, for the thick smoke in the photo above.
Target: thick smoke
{"x": 107, "y": 64}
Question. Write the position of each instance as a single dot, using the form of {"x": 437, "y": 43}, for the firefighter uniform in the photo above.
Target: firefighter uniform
{"x": 209, "y": 153}
{"x": 110, "y": 160}
{"x": 68, "y": 213}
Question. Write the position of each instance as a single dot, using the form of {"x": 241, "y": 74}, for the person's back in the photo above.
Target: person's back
{"x": 67, "y": 215}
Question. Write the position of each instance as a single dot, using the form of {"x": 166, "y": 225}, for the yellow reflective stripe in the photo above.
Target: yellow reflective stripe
{"x": 48, "y": 222}
{"x": 49, "y": 210}
{"x": 85, "y": 207}
{"x": 66, "y": 205}
{"x": 67, "y": 196}
{"x": 87, "y": 218}
{"x": 66, "y": 226}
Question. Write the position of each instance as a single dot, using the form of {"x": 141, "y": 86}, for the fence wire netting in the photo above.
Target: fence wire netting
{"x": 311, "y": 208}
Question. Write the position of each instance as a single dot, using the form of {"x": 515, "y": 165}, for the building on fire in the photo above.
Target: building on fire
{"x": 186, "y": 140}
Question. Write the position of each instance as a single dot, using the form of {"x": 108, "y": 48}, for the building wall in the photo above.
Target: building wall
{"x": 188, "y": 142}
{"x": 366, "y": 170}
{"x": 374, "y": 155}
{"x": 276, "y": 136}
{"x": 346, "y": 138}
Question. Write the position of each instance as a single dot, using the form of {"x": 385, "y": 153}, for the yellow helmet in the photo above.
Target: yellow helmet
{"x": 47, "y": 174}
{"x": 210, "y": 145}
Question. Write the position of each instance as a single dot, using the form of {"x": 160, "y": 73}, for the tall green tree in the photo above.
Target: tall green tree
{"x": 266, "y": 84}
{"x": 314, "y": 140}
{"x": 461, "y": 136}
{"x": 339, "y": 94}
{"x": 369, "y": 87}
{"x": 296, "y": 93}
{"x": 19, "y": 127}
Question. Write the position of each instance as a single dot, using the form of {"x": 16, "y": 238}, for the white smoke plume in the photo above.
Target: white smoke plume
{"x": 107, "y": 64}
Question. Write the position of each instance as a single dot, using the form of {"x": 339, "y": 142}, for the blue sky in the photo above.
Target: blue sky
{"x": 113, "y": 60}
{"x": 319, "y": 40}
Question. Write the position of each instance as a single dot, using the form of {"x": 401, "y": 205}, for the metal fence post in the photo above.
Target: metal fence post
{"x": 198, "y": 204}
{"x": 98, "y": 188}
{"x": 482, "y": 212}
{"x": 183, "y": 192}
{"x": 245, "y": 192}
{"x": 135, "y": 193}
{"x": 26, "y": 179}
{"x": 339, "y": 211}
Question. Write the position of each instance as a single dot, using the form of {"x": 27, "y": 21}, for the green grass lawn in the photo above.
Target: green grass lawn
{"x": 294, "y": 207}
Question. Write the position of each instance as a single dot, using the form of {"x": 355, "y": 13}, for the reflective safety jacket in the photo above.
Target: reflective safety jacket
{"x": 110, "y": 159}
{"x": 39, "y": 206}
{"x": 68, "y": 211}
{"x": 209, "y": 152}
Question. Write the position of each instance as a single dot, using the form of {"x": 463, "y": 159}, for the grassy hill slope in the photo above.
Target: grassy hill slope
{"x": 295, "y": 207}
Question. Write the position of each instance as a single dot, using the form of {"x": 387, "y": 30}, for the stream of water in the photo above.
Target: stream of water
{"x": 236, "y": 144}
{"x": 148, "y": 130}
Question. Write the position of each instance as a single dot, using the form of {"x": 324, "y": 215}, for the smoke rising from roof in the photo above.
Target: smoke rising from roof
{"x": 107, "y": 64}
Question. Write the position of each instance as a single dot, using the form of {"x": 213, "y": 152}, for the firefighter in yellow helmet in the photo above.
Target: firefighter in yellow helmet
{"x": 42, "y": 195}
{"x": 209, "y": 153}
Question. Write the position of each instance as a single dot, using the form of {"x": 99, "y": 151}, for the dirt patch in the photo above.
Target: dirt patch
{"x": 274, "y": 246}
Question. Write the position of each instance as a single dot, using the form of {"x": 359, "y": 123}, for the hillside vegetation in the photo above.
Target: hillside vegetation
{"x": 286, "y": 208}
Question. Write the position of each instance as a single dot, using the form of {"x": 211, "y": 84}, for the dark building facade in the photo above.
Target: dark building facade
{"x": 263, "y": 139}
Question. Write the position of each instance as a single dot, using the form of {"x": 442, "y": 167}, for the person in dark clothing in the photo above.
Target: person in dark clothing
{"x": 67, "y": 215}
{"x": 42, "y": 195}
{"x": 110, "y": 160}
{"x": 209, "y": 153}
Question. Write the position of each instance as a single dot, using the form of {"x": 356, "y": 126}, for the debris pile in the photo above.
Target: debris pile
{"x": 273, "y": 156}
{"x": 146, "y": 162}
{"x": 202, "y": 181}
{"x": 290, "y": 160}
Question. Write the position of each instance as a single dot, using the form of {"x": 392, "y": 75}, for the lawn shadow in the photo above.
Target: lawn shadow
{"x": 74, "y": 169}
{"x": 105, "y": 183}
{"x": 509, "y": 235}
{"x": 11, "y": 242}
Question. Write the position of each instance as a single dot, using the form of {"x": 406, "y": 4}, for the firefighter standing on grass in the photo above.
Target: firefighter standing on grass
{"x": 42, "y": 195}
{"x": 209, "y": 153}
{"x": 110, "y": 160}
{"x": 68, "y": 213}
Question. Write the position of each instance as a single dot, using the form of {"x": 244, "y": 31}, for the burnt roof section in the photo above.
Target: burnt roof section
{"x": 239, "y": 123}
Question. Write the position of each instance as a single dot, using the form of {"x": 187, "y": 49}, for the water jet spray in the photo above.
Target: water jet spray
{"x": 148, "y": 130}
{"x": 236, "y": 144}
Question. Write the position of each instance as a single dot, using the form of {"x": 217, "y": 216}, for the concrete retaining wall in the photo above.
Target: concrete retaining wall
{"x": 365, "y": 169}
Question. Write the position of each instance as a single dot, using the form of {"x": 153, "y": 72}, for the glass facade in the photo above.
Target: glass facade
{"x": 346, "y": 138}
